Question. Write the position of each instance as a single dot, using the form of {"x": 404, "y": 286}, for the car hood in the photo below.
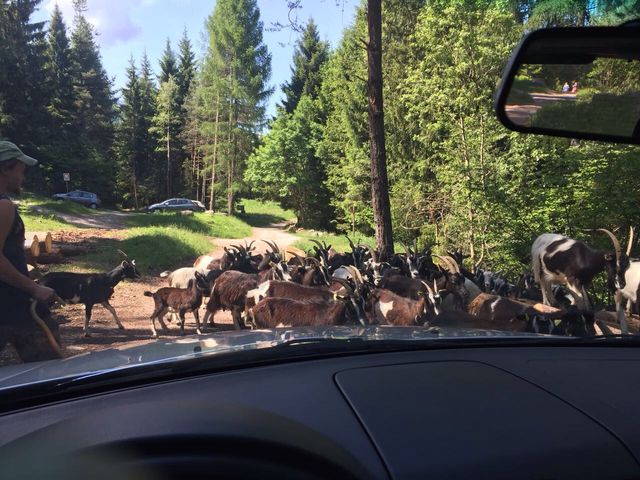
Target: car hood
{"x": 188, "y": 347}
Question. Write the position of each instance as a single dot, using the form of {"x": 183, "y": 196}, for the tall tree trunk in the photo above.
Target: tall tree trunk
{"x": 168, "y": 163}
{"x": 215, "y": 154}
{"x": 230, "y": 163}
{"x": 379, "y": 181}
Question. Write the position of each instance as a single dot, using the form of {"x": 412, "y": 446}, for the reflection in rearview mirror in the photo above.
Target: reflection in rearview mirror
{"x": 602, "y": 97}
{"x": 574, "y": 82}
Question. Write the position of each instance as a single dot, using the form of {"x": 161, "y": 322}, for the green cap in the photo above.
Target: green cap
{"x": 9, "y": 151}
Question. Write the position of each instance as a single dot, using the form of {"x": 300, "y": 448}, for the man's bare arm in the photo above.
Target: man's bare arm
{"x": 8, "y": 273}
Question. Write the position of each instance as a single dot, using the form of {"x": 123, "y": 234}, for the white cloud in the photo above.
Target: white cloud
{"x": 111, "y": 18}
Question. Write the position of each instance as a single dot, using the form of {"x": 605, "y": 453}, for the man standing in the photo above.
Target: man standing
{"x": 17, "y": 326}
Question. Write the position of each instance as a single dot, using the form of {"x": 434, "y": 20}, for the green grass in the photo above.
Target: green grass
{"x": 217, "y": 225}
{"x": 262, "y": 214}
{"x": 336, "y": 241}
{"x": 154, "y": 249}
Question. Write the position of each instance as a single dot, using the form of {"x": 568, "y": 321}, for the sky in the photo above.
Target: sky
{"x": 129, "y": 27}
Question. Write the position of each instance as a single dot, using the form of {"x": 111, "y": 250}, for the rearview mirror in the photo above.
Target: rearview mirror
{"x": 574, "y": 82}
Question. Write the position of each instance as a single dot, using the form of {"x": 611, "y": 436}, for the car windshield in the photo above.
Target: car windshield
{"x": 331, "y": 199}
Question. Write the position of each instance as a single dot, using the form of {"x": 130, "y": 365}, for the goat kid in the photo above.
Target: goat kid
{"x": 181, "y": 300}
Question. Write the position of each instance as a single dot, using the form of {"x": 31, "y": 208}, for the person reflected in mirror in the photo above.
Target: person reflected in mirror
{"x": 17, "y": 326}
{"x": 565, "y": 87}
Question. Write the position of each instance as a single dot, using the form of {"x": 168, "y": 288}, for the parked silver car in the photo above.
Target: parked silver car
{"x": 89, "y": 199}
{"x": 174, "y": 205}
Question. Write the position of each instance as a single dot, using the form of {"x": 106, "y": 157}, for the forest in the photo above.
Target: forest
{"x": 196, "y": 126}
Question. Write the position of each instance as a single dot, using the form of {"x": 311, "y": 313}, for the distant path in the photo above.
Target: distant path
{"x": 521, "y": 114}
{"x": 107, "y": 220}
{"x": 273, "y": 233}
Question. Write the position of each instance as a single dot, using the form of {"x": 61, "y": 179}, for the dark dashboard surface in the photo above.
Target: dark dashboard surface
{"x": 543, "y": 412}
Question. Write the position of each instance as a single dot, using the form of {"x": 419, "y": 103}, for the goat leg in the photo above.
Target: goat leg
{"x": 236, "y": 313}
{"x": 87, "y": 316}
{"x": 182, "y": 314}
{"x": 109, "y": 307}
{"x": 622, "y": 319}
{"x": 196, "y": 315}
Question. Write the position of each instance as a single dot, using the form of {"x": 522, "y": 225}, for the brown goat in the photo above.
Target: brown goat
{"x": 273, "y": 312}
{"x": 182, "y": 300}
{"x": 229, "y": 293}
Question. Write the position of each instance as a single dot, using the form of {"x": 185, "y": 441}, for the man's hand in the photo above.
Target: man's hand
{"x": 43, "y": 294}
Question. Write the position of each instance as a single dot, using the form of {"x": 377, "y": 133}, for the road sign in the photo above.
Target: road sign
{"x": 66, "y": 177}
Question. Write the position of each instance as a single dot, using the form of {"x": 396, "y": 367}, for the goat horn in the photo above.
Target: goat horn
{"x": 454, "y": 264}
{"x": 312, "y": 260}
{"x": 345, "y": 284}
{"x": 616, "y": 243}
{"x": 355, "y": 273}
{"x": 320, "y": 247}
{"x": 374, "y": 255}
{"x": 630, "y": 245}
{"x": 447, "y": 264}
{"x": 123, "y": 254}
{"x": 275, "y": 250}
{"x": 250, "y": 246}
{"x": 299, "y": 258}
{"x": 426, "y": 286}
{"x": 353, "y": 247}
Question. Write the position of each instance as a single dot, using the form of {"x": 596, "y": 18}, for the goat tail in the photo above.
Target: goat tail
{"x": 165, "y": 274}
{"x": 147, "y": 293}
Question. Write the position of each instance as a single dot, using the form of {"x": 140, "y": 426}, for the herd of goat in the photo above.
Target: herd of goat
{"x": 416, "y": 288}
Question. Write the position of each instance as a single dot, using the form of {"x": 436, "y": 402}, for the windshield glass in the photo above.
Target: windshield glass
{"x": 339, "y": 179}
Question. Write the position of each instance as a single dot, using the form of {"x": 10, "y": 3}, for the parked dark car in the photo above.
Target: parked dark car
{"x": 174, "y": 205}
{"x": 89, "y": 199}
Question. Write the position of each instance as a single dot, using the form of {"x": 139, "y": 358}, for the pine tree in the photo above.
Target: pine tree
{"x": 239, "y": 58}
{"x": 168, "y": 64}
{"x": 309, "y": 55}
{"x": 23, "y": 96}
{"x": 59, "y": 75}
{"x": 152, "y": 179}
{"x": 187, "y": 66}
{"x": 129, "y": 138}
{"x": 94, "y": 108}
{"x": 166, "y": 124}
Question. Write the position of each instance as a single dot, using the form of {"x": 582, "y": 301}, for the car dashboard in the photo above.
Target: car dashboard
{"x": 496, "y": 412}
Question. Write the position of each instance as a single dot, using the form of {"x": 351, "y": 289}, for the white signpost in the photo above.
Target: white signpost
{"x": 67, "y": 178}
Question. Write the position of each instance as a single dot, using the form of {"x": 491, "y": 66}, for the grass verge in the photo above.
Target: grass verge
{"x": 154, "y": 249}
{"x": 262, "y": 214}
{"x": 217, "y": 225}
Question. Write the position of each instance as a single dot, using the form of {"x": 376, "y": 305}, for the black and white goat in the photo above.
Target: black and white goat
{"x": 91, "y": 288}
{"x": 386, "y": 307}
{"x": 557, "y": 259}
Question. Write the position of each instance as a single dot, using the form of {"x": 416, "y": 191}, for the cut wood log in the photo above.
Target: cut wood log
{"x": 35, "y": 247}
{"x": 48, "y": 243}
{"x": 53, "y": 257}
{"x": 72, "y": 250}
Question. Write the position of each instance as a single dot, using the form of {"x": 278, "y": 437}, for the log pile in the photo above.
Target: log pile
{"x": 47, "y": 252}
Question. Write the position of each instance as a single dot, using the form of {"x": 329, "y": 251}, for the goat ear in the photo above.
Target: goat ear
{"x": 609, "y": 257}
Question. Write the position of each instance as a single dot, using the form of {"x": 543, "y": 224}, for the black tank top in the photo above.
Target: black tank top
{"x": 13, "y": 251}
